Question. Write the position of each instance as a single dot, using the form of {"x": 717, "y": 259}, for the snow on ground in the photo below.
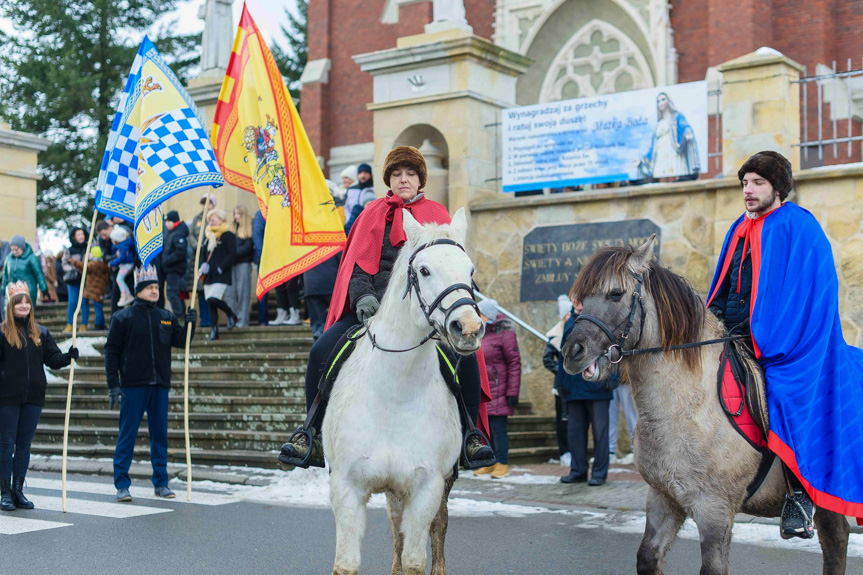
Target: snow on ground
{"x": 86, "y": 346}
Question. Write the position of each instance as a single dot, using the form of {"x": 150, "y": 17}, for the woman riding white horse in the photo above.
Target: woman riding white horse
{"x": 370, "y": 254}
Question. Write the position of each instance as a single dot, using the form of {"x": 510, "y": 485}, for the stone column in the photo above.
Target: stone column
{"x": 760, "y": 108}
{"x": 18, "y": 181}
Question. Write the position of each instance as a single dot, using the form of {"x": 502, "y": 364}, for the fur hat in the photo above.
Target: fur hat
{"x": 406, "y": 156}
{"x": 772, "y": 166}
{"x": 145, "y": 277}
{"x": 119, "y": 234}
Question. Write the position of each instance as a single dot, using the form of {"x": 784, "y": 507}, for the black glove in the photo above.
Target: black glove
{"x": 191, "y": 315}
{"x": 73, "y": 353}
{"x": 512, "y": 400}
{"x": 113, "y": 397}
{"x": 367, "y": 307}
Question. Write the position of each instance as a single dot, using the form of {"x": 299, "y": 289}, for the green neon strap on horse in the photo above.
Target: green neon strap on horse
{"x": 348, "y": 344}
{"x": 448, "y": 363}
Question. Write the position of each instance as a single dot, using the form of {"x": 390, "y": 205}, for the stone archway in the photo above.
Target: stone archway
{"x": 433, "y": 145}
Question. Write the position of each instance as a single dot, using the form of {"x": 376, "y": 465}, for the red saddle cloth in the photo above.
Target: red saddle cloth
{"x": 731, "y": 396}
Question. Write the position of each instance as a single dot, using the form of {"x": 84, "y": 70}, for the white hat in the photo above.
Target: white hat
{"x": 488, "y": 308}
{"x": 349, "y": 172}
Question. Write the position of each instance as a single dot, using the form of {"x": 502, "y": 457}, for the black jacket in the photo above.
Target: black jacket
{"x": 174, "y": 252}
{"x": 321, "y": 279}
{"x": 138, "y": 350}
{"x": 22, "y": 377}
{"x": 363, "y": 284}
{"x": 731, "y": 304}
{"x": 245, "y": 251}
{"x": 222, "y": 259}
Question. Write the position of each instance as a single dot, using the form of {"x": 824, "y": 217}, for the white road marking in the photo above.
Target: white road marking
{"x": 14, "y": 525}
{"x": 98, "y": 508}
{"x": 198, "y": 497}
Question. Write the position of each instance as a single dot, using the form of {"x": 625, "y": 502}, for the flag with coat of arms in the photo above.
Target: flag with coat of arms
{"x": 157, "y": 148}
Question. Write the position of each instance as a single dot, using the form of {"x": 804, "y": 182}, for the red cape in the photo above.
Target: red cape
{"x": 363, "y": 248}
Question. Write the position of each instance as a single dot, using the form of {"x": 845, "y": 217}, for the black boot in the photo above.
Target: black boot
{"x": 296, "y": 452}
{"x": 18, "y": 498}
{"x": 476, "y": 453}
{"x": 797, "y": 516}
{"x": 6, "y": 502}
{"x": 214, "y": 333}
{"x": 232, "y": 321}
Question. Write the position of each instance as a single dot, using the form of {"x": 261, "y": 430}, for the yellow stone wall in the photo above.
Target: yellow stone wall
{"x": 18, "y": 179}
{"x": 693, "y": 217}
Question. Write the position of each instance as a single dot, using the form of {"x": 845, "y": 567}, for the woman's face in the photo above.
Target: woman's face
{"x": 79, "y": 236}
{"x": 215, "y": 220}
{"x": 662, "y": 103}
{"x": 22, "y": 308}
{"x": 405, "y": 182}
{"x": 16, "y": 251}
{"x": 346, "y": 181}
{"x": 237, "y": 215}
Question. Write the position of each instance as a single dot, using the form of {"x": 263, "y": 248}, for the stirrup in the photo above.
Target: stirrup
{"x": 286, "y": 460}
{"x": 796, "y": 520}
{"x": 469, "y": 464}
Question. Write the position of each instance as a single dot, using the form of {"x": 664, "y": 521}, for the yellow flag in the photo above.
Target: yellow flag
{"x": 262, "y": 147}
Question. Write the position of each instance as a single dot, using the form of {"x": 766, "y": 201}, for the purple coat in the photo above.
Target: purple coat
{"x": 503, "y": 363}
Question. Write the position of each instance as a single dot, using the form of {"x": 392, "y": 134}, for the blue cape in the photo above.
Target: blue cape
{"x": 814, "y": 379}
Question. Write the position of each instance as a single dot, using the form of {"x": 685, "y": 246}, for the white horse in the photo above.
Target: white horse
{"x": 392, "y": 426}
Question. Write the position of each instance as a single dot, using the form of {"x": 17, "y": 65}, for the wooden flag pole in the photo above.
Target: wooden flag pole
{"x": 86, "y": 261}
{"x": 194, "y": 301}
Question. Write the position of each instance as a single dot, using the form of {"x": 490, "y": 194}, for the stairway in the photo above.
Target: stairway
{"x": 246, "y": 395}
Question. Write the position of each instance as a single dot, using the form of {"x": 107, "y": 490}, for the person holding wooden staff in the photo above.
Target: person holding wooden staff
{"x": 138, "y": 370}
{"x": 25, "y": 347}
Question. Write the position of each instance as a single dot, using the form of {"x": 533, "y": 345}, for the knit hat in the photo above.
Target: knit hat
{"x": 564, "y": 305}
{"x": 119, "y": 234}
{"x": 408, "y": 157}
{"x": 350, "y": 172}
{"x": 364, "y": 168}
{"x": 173, "y": 216}
{"x": 18, "y": 241}
{"x": 145, "y": 277}
{"x": 96, "y": 252}
{"x": 772, "y": 166}
{"x": 488, "y": 308}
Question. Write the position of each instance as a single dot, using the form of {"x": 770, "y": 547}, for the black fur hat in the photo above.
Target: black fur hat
{"x": 772, "y": 166}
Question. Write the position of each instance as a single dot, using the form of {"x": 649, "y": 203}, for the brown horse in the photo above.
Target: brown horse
{"x": 695, "y": 462}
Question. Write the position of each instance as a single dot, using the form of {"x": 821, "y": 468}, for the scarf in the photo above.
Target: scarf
{"x": 213, "y": 234}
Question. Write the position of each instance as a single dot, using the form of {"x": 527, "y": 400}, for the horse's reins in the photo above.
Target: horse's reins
{"x": 428, "y": 310}
{"x": 619, "y": 343}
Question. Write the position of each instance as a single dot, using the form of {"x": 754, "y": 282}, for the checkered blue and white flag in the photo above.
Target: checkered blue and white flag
{"x": 157, "y": 148}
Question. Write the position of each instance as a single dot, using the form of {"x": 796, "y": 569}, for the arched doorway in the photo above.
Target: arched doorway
{"x": 431, "y": 142}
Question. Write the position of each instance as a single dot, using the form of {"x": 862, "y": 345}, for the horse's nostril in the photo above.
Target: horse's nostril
{"x": 455, "y": 327}
{"x": 576, "y": 351}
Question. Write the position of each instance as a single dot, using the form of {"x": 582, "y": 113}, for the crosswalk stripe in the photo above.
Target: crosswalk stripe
{"x": 98, "y": 508}
{"x": 15, "y": 525}
{"x": 198, "y": 498}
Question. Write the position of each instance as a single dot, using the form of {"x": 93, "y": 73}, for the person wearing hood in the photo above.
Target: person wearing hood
{"x": 25, "y": 348}
{"x": 174, "y": 261}
{"x": 359, "y": 195}
{"x": 72, "y": 278}
{"x": 23, "y": 265}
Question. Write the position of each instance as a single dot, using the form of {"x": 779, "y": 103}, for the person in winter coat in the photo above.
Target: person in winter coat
{"x": 23, "y": 265}
{"x": 259, "y": 226}
{"x": 174, "y": 262}
{"x": 319, "y": 283}
{"x": 51, "y": 275}
{"x": 221, "y": 252}
{"x": 72, "y": 279}
{"x": 25, "y": 347}
{"x": 239, "y": 294}
{"x": 503, "y": 364}
{"x": 359, "y": 195}
{"x": 587, "y": 406}
{"x": 62, "y": 291}
{"x": 123, "y": 262}
{"x": 550, "y": 358}
{"x": 138, "y": 372}
{"x": 96, "y": 284}
{"x": 5, "y": 250}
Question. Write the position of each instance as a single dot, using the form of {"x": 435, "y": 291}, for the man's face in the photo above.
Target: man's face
{"x": 759, "y": 197}
{"x": 105, "y": 234}
{"x": 150, "y": 293}
{"x": 364, "y": 177}
{"x": 405, "y": 182}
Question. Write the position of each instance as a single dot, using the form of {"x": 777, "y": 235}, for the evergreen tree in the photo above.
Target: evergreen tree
{"x": 292, "y": 61}
{"x": 61, "y": 77}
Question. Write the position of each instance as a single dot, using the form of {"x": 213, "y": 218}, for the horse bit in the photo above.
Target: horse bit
{"x": 637, "y": 302}
{"x": 428, "y": 310}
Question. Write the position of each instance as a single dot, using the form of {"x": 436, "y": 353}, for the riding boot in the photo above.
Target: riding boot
{"x": 797, "y": 516}
{"x": 295, "y": 453}
{"x": 6, "y": 501}
{"x": 18, "y": 498}
{"x": 477, "y": 454}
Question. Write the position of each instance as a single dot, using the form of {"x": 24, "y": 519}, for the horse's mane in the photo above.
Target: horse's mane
{"x": 680, "y": 310}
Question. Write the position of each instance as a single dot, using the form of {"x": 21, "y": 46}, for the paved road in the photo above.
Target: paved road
{"x": 223, "y": 535}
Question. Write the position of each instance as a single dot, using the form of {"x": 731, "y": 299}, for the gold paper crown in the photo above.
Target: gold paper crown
{"x": 147, "y": 274}
{"x": 15, "y": 288}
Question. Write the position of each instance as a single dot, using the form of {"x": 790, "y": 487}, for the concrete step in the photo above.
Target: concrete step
{"x": 197, "y": 403}
{"x": 226, "y": 360}
{"x": 251, "y": 422}
{"x": 283, "y": 387}
{"x": 294, "y": 374}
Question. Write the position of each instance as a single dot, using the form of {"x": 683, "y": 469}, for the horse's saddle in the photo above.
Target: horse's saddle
{"x": 743, "y": 392}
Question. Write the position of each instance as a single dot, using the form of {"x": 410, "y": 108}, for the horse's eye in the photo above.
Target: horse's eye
{"x": 425, "y": 271}
{"x": 615, "y": 295}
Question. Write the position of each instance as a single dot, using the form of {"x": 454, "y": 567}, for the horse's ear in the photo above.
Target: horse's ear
{"x": 459, "y": 224}
{"x": 640, "y": 258}
{"x": 412, "y": 227}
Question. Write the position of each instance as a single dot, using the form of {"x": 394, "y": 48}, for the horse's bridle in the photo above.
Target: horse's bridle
{"x": 617, "y": 343}
{"x": 428, "y": 310}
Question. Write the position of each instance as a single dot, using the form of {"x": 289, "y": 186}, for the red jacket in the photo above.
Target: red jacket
{"x": 503, "y": 365}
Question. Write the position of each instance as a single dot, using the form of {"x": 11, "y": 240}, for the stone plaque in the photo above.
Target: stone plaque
{"x": 553, "y": 255}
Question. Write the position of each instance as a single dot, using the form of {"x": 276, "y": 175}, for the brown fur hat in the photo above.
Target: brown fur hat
{"x": 772, "y": 166}
{"x": 406, "y": 156}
